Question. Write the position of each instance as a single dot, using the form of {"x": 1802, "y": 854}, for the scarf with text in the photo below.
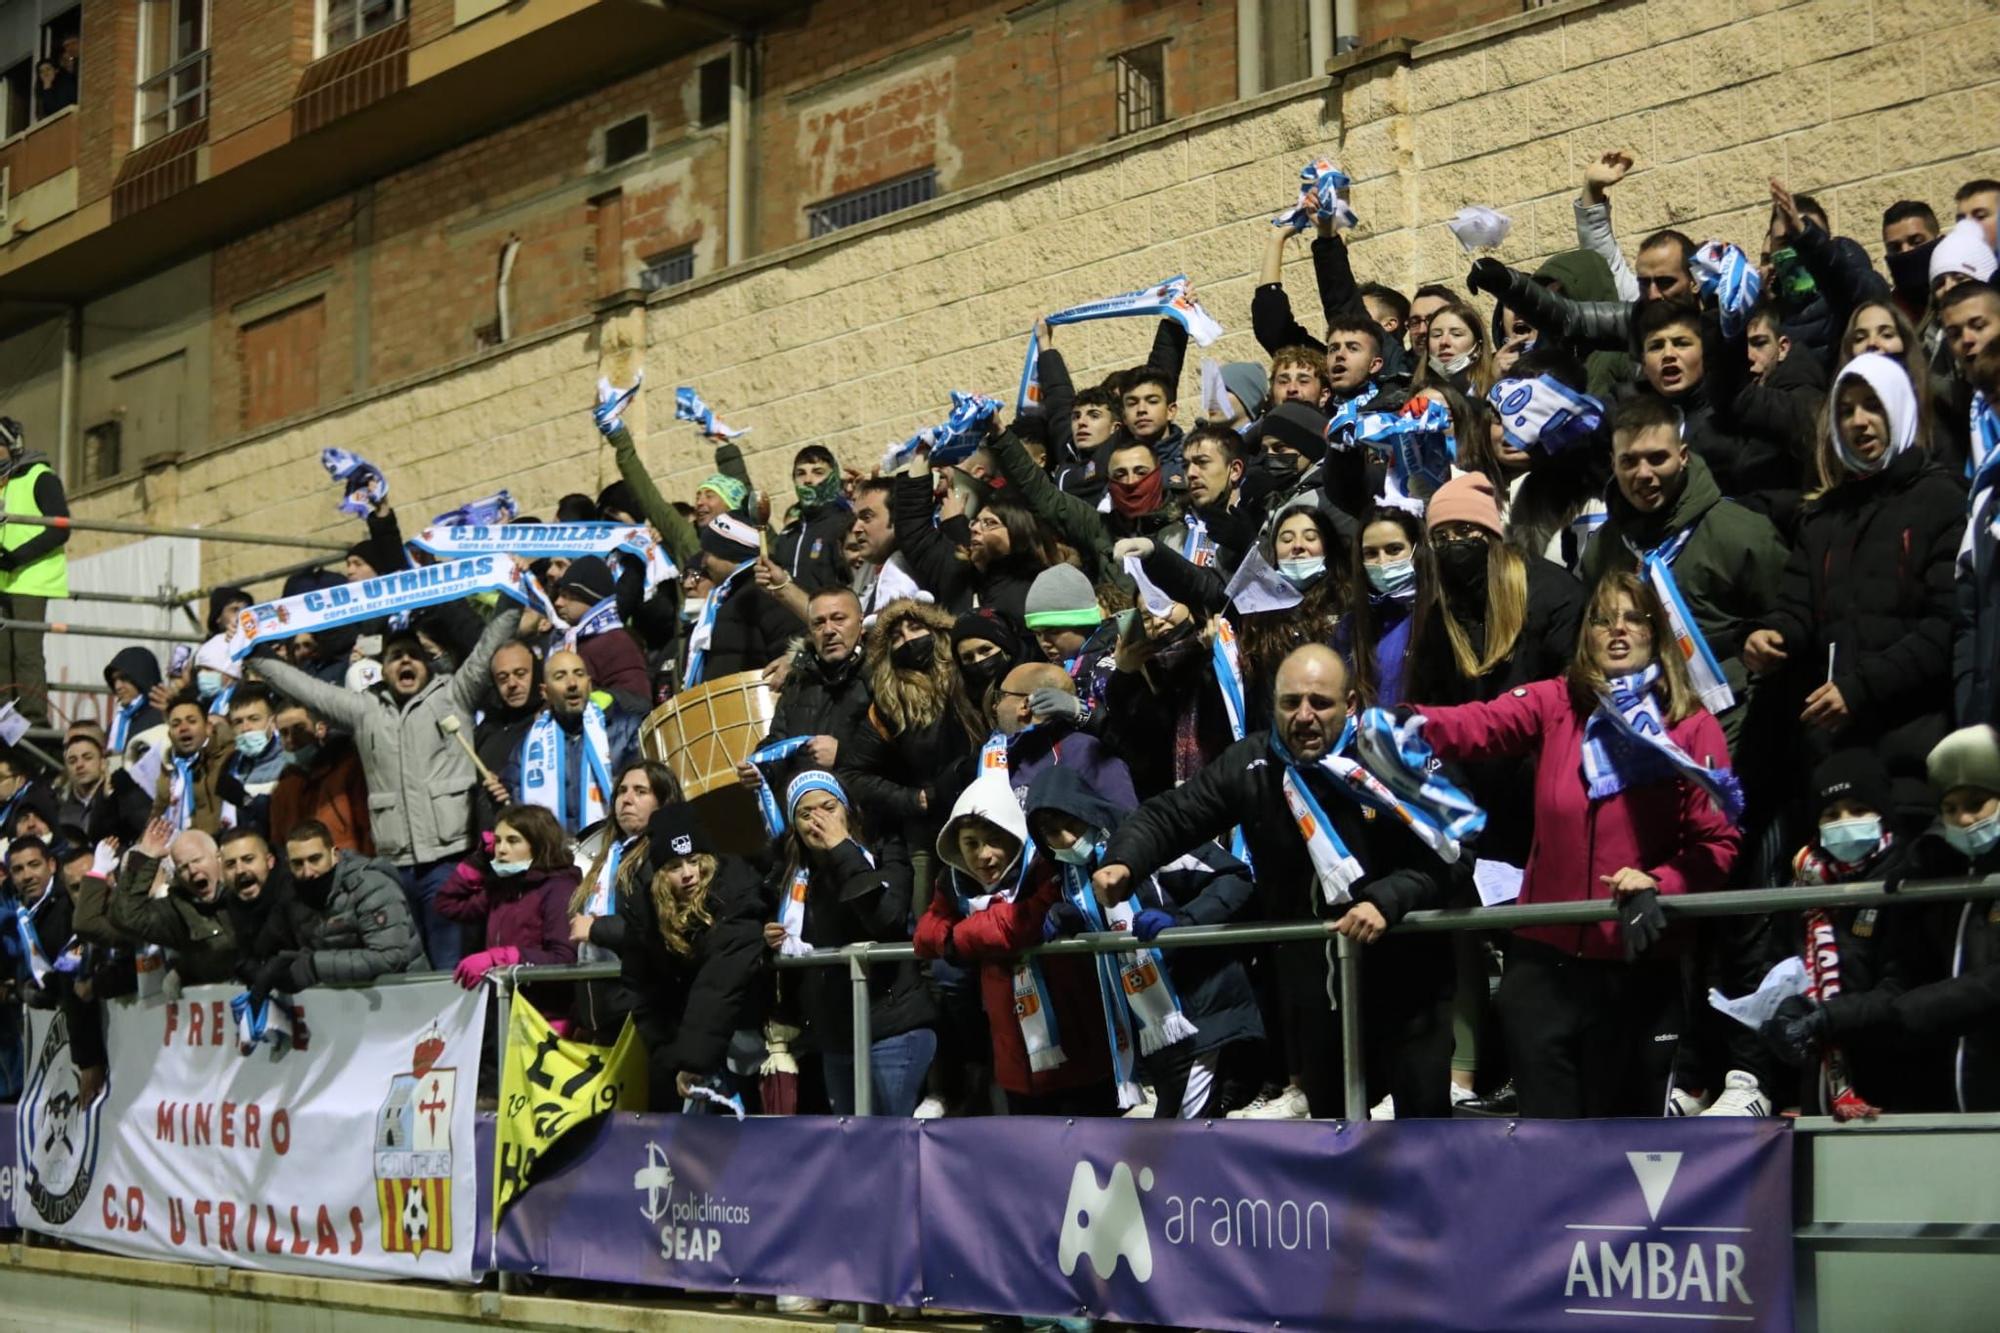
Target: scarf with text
{"x": 362, "y": 484}
{"x": 1142, "y": 1014}
{"x": 702, "y": 636}
{"x": 1034, "y": 1005}
{"x": 1171, "y": 299}
{"x": 1625, "y": 744}
{"x": 546, "y": 776}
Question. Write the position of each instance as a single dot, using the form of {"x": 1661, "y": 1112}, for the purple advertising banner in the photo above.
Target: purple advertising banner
{"x": 793, "y": 1205}
{"x": 8, "y": 1169}
{"x": 1486, "y": 1225}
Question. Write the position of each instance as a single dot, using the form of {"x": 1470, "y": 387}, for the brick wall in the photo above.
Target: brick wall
{"x": 255, "y": 55}
{"x": 856, "y": 340}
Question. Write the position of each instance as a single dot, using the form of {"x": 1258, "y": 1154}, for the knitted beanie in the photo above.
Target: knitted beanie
{"x": 1061, "y": 598}
{"x": 1464, "y": 499}
{"x": 1963, "y": 249}
{"x": 1855, "y": 775}
{"x": 1297, "y": 426}
{"x": 1969, "y": 757}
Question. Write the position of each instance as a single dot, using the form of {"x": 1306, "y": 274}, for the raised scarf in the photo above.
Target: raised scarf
{"x": 1625, "y": 744}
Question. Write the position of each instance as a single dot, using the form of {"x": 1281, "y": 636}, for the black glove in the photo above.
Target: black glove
{"x": 1796, "y": 1032}
{"x": 303, "y": 973}
{"x": 1063, "y": 919}
{"x": 274, "y": 974}
{"x": 1641, "y": 921}
{"x": 1488, "y": 275}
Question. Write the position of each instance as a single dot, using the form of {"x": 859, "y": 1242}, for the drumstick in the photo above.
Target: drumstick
{"x": 449, "y": 726}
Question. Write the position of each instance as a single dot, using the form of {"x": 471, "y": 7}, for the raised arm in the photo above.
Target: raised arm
{"x": 1593, "y": 219}
{"x": 346, "y": 707}
{"x": 677, "y": 532}
{"x": 1074, "y": 521}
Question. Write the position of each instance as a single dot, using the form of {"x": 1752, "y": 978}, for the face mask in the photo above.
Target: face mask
{"x": 812, "y": 497}
{"x": 1851, "y": 841}
{"x": 979, "y": 676}
{"x": 506, "y": 868}
{"x": 1393, "y": 578}
{"x": 1910, "y": 274}
{"x": 691, "y": 610}
{"x": 1974, "y": 840}
{"x": 305, "y": 754}
{"x": 1135, "y": 498}
{"x": 1457, "y": 363}
{"x": 314, "y": 888}
{"x": 1304, "y": 571}
{"x": 1462, "y": 564}
{"x": 913, "y": 654}
{"x": 253, "y": 743}
{"x": 207, "y": 682}
{"x": 1078, "y": 853}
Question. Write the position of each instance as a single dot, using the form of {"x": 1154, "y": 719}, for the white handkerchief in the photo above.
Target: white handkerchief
{"x": 1214, "y": 393}
{"x": 1754, "y": 1010}
{"x": 1156, "y": 601}
{"x": 12, "y": 725}
{"x": 1258, "y": 587}
{"x": 1479, "y": 228}
{"x": 1497, "y": 882}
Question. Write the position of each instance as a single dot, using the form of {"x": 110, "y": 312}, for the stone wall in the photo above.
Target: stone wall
{"x": 857, "y": 339}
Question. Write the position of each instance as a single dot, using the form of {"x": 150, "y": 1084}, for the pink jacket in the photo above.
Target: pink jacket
{"x": 1670, "y": 830}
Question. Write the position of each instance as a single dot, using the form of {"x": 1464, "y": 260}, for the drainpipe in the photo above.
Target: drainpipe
{"x": 501, "y": 314}
{"x": 69, "y": 408}
{"x": 737, "y": 231}
{"x": 1249, "y": 48}
{"x": 1346, "y": 26}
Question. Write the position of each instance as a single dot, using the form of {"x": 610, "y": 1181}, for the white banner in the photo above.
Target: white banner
{"x": 348, "y": 1154}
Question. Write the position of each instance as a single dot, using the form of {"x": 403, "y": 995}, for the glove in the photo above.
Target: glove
{"x": 1063, "y": 919}
{"x": 473, "y": 968}
{"x": 1796, "y": 1032}
{"x": 1152, "y": 921}
{"x": 1128, "y": 547}
{"x": 1641, "y": 921}
{"x": 1052, "y": 705}
{"x": 1488, "y": 275}
{"x": 273, "y": 974}
{"x": 104, "y": 861}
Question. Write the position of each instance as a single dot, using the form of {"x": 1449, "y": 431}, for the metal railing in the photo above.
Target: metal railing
{"x": 858, "y": 958}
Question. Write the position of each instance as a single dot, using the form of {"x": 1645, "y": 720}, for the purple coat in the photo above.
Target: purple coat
{"x": 528, "y": 911}
{"x": 1047, "y": 747}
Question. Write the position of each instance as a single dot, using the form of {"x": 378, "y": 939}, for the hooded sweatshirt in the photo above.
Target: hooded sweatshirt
{"x": 992, "y": 938}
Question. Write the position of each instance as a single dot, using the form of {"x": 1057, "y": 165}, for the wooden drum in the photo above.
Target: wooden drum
{"x": 702, "y": 734}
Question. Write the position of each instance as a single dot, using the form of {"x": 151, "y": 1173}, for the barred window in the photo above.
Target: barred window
{"x": 1142, "y": 87}
{"x": 876, "y": 201}
{"x": 669, "y": 269}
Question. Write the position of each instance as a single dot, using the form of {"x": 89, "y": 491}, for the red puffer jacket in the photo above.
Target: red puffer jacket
{"x": 1670, "y": 830}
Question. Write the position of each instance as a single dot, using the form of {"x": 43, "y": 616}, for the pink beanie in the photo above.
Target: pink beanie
{"x": 1465, "y": 499}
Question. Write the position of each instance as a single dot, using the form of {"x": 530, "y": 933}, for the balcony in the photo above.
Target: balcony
{"x": 38, "y": 175}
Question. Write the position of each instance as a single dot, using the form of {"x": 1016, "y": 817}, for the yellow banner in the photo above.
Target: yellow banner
{"x": 550, "y": 1085}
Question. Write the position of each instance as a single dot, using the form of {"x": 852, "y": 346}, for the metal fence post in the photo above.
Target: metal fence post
{"x": 503, "y": 1008}
{"x": 1353, "y": 1073}
{"x": 864, "y": 1037}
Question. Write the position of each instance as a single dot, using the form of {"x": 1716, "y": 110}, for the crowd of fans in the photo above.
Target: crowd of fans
{"x": 1611, "y": 581}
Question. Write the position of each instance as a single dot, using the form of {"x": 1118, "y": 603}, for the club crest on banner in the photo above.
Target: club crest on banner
{"x": 58, "y": 1132}
{"x": 413, "y": 1154}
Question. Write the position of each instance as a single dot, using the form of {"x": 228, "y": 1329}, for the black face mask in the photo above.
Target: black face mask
{"x": 314, "y": 889}
{"x": 913, "y": 654}
{"x": 979, "y": 676}
{"x": 1910, "y": 273}
{"x": 1462, "y": 566}
{"x": 1179, "y": 644}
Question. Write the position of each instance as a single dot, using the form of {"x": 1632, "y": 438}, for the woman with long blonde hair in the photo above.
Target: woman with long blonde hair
{"x": 692, "y": 952}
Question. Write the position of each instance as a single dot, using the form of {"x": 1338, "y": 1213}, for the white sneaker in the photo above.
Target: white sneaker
{"x": 1148, "y": 1107}
{"x": 930, "y": 1108}
{"x": 1459, "y": 1094}
{"x": 1287, "y": 1105}
{"x": 1384, "y": 1109}
{"x": 800, "y": 1305}
{"x": 1740, "y": 1096}
{"x": 1682, "y": 1102}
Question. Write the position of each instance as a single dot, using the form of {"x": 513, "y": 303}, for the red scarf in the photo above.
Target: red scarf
{"x": 1822, "y": 956}
{"x": 1133, "y": 498}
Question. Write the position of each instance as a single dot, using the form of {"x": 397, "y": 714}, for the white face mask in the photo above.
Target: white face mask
{"x": 1302, "y": 571}
{"x": 1850, "y": 841}
{"x": 1975, "y": 839}
{"x": 1080, "y": 852}
{"x": 1393, "y": 578}
{"x": 1457, "y": 363}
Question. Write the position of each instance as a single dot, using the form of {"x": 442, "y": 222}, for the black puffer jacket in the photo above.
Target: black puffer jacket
{"x": 1871, "y": 578}
{"x": 819, "y": 700}
{"x": 687, "y": 1005}
{"x": 851, "y": 897}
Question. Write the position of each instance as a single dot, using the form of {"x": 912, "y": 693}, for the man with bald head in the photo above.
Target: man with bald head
{"x": 1279, "y": 785}
{"x": 572, "y": 750}
{"x": 1033, "y": 731}
{"x": 188, "y": 921}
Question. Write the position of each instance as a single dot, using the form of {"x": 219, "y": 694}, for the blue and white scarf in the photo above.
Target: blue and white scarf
{"x": 952, "y": 440}
{"x": 1544, "y": 413}
{"x": 767, "y": 803}
{"x": 609, "y": 414}
{"x": 31, "y": 945}
{"x": 1142, "y": 1013}
{"x": 1983, "y": 468}
{"x": 545, "y": 777}
{"x": 1658, "y": 567}
{"x": 1724, "y": 274}
{"x": 490, "y": 511}
{"x": 566, "y": 541}
{"x": 1169, "y": 300}
{"x": 1034, "y": 1005}
{"x": 1343, "y": 428}
{"x": 1197, "y": 547}
{"x": 1419, "y": 445}
{"x": 376, "y": 598}
{"x": 180, "y": 790}
{"x": 362, "y": 484}
{"x": 1430, "y": 807}
{"x": 269, "y": 1023}
{"x": 792, "y": 908}
{"x": 1436, "y": 810}
{"x": 121, "y": 723}
{"x": 1320, "y": 184}
{"x": 688, "y": 406}
{"x": 703, "y": 634}
{"x": 600, "y": 619}
{"x": 1229, "y": 684}
{"x": 1625, "y": 744}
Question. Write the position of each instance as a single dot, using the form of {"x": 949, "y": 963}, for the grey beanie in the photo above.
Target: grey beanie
{"x": 1969, "y": 757}
{"x": 1251, "y": 385}
{"x": 1061, "y": 598}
